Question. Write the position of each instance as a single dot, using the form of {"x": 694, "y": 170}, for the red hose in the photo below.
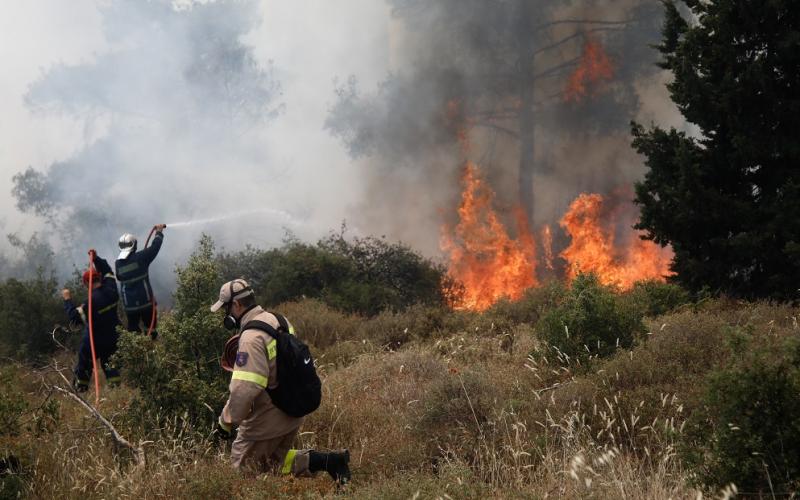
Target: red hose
{"x": 91, "y": 331}
{"x": 155, "y": 304}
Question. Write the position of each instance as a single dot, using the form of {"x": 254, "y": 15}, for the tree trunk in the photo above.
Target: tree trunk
{"x": 527, "y": 47}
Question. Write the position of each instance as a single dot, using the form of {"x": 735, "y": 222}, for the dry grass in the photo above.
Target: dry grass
{"x": 472, "y": 411}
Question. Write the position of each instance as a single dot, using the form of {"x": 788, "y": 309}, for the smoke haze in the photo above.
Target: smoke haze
{"x": 136, "y": 113}
{"x": 298, "y": 115}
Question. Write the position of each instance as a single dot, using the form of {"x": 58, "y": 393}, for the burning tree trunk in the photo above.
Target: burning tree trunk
{"x": 526, "y": 113}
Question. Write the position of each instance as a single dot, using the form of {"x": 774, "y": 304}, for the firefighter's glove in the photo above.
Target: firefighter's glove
{"x": 223, "y": 430}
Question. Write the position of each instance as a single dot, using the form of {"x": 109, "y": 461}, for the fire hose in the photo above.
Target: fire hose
{"x": 155, "y": 304}
{"x": 91, "y": 330}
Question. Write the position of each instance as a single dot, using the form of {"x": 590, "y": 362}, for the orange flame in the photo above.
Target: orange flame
{"x": 592, "y": 248}
{"x": 594, "y": 68}
{"x": 490, "y": 264}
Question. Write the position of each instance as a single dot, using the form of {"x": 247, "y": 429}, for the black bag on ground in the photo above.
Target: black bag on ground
{"x": 299, "y": 390}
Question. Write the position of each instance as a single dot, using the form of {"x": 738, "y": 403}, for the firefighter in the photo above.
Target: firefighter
{"x": 265, "y": 433}
{"x": 132, "y": 272}
{"x": 103, "y": 288}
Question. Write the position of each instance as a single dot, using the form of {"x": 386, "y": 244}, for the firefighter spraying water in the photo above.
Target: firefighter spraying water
{"x": 133, "y": 274}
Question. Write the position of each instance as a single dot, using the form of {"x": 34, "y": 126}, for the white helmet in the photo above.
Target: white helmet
{"x": 127, "y": 244}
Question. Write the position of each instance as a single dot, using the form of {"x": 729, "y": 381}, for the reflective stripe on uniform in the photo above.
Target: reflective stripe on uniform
{"x": 288, "y": 462}
{"x": 107, "y": 308}
{"x": 134, "y": 280}
{"x": 272, "y": 349}
{"x": 255, "y": 378}
{"x": 291, "y": 330}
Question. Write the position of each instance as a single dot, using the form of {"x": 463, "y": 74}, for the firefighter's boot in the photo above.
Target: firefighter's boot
{"x": 335, "y": 464}
{"x": 80, "y": 385}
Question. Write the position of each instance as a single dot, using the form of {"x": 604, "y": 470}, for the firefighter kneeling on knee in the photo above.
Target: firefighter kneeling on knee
{"x": 265, "y": 431}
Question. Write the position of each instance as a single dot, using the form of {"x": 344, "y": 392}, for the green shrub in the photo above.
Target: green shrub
{"x": 533, "y": 304}
{"x": 591, "y": 320}
{"x": 180, "y": 375}
{"x": 656, "y": 298}
{"x": 28, "y": 312}
{"x": 363, "y": 275}
{"x": 748, "y": 431}
{"x": 12, "y": 404}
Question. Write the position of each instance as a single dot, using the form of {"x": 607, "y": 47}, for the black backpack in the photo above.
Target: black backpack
{"x": 299, "y": 390}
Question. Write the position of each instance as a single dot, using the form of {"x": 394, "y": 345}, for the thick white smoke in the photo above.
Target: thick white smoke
{"x": 177, "y": 111}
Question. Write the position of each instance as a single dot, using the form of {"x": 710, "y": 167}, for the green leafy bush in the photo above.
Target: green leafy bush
{"x": 28, "y": 312}
{"x": 180, "y": 375}
{"x": 365, "y": 275}
{"x": 656, "y": 298}
{"x": 12, "y": 404}
{"x": 591, "y": 320}
{"x": 748, "y": 430}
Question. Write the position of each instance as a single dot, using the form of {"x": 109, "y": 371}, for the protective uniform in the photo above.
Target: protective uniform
{"x": 265, "y": 433}
{"x": 104, "y": 326}
{"x": 137, "y": 294}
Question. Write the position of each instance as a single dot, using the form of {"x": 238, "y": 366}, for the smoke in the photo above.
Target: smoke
{"x": 239, "y": 116}
{"x": 498, "y": 69}
{"x": 201, "y": 112}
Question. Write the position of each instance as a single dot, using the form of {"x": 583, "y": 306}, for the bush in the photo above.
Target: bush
{"x": 591, "y": 320}
{"x": 363, "y": 276}
{"x": 181, "y": 375}
{"x": 28, "y": 312}
{"x": 655, "y": 298}
{"x": 533, "y": 304}
{"x": 748, "y": 431}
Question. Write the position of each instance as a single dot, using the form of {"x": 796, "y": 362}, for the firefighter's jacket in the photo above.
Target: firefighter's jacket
{"x": 104, "y": 307}
{"x": 132, "y": 273}
{"x": 249, "y": 405}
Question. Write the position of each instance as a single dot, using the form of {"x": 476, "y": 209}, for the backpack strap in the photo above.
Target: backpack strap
{"x": 264, "y": 327}
{"x": 282, "y": 321}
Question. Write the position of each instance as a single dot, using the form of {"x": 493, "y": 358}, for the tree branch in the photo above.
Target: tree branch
{"x": 137, "y": 451}
{"x": 555, "y": 69}
{"x": 580, "y": 21}
{"x": 499, "y": 128}
{"x": 572, "y": 37}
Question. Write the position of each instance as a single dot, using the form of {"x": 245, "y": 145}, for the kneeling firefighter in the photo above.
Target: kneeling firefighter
{"x": 103, "y": 288}
{"x": 133, "y": 274}
{"x": 273, "y": 384}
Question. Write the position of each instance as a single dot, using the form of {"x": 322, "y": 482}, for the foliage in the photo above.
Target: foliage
{"x": 591, "y": 320}
{"x": 728, "y": 199}
{"x": 28, "y": 312}
{"x": 12, "y": 404}
{"x": 747, "y": 431}
{"x": 180, "y": 375}
{"x": 363, "y": 275}
{"x": 656, "y": 298}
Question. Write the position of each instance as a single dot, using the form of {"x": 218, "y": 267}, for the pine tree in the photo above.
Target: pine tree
{"x": 727, "y": 198}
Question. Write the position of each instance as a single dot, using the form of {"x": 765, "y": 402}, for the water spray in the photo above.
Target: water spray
{"x": 272, "y": 211}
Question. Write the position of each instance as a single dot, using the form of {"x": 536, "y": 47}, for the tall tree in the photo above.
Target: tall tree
{"x": 498, "y": 66}
{"x": 728, "y": 198}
